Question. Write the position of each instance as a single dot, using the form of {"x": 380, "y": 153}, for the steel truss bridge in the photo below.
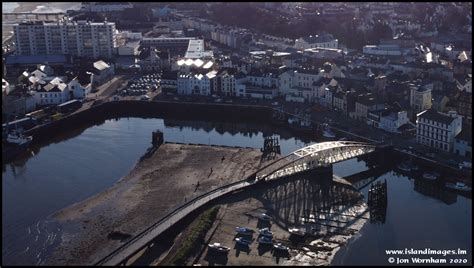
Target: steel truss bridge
{"x": 313, "y": 156}
{"x": 309, "y": 157}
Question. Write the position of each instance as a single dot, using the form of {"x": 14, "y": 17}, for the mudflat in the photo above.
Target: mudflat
{"x": 172, "y": 175}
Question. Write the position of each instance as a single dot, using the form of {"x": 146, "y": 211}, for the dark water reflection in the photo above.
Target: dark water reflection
{"x": 420, "y": 214}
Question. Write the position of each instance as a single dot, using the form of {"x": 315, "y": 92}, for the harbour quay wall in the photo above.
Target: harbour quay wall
{"x": 95, "y": 115}
{"x": 430, "y": 164}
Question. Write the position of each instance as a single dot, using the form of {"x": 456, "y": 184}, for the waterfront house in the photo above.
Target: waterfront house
{"x": 224, "y": 83}
{"x": 169, "y": 81}
{"x": 364, "y": 104}
{"x": 297, "y": 84}
{"x": 438, "y": 130}
{"x": 55, "y": 92}
{"x": 101, "y": 72}
{"x": 463, "y": 143}
{"x": 16, "y": 102}
{"x": 196, "y": 83}
{"x": 391, "y": 121}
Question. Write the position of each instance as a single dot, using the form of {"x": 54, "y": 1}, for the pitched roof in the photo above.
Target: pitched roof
{"x": 322, "y": 81}
{"x": 312, "y": 39}
{"x": 101, "y": 65}
{"x": 465, "y": 135}
{"x": 432, "y": 114}
{"x": 308, "y": 71}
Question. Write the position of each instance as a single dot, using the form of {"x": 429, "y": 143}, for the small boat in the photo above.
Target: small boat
{"x": 297, "y": 231}
{"x": 404, "y": 166}
{"x": 292, "y": 120}
{"x": 465, "y": 165}
{"x": 244, "y": 230}
{"x": 458, "y": 186}
{"x": 218, "y": 247}
{"x": 265, "y": 240}
{"x": 18, "y": 139}
{"x": 280, "y": 246}
{"x": 407, "y": 166}
{"x": 327, "y": 133}
{"x": 266, "y": 232}
{"x": 430, "y": 175}
{"x": 243, "y": 241}
{"x": 264, "y": 217}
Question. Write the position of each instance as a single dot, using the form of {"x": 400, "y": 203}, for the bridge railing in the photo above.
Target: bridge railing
{"x": 279, "y": 171}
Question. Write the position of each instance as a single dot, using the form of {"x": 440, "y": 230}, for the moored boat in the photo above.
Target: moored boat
{"x": 327, "y": 132}
{"x": 18, "y": 139}
{"x": 458, "y": 186}
{"x": 404, "y": 166}
{"x": 407, "y": 166}
{"x": 430, "y": 175}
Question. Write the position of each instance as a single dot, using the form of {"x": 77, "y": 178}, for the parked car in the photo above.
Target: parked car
{"x": 265, "y": 240}
{"x": 243, "y": 241}
{"x": 266, "y": 232}
{"x": 280, "y": 246}
{"x": 219, "y": 248}
{"x": 244, "y": 230}
{"x": 264, "y": 217}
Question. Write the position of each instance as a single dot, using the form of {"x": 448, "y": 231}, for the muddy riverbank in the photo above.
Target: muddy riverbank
{"x": 172, "y": 175}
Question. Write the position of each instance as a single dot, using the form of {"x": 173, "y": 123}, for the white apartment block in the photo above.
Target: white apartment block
{"x": 195, "y": 84}
{"x": 81, "y": 38}
{"x": 299, "y": 83}
{"x": 314, "y": 41}
{"x": 438, "y": 130}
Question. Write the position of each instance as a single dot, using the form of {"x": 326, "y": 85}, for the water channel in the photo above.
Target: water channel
{"x": 76, "y": 165}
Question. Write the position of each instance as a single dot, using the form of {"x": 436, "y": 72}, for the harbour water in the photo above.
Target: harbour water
{"x": 77, "y": 165}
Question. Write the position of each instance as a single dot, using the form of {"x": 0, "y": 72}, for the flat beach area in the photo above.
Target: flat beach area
{"x": 172, "y": 175}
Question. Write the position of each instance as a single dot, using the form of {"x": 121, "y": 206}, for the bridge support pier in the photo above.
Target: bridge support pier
{"x": 326, "y": 172}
